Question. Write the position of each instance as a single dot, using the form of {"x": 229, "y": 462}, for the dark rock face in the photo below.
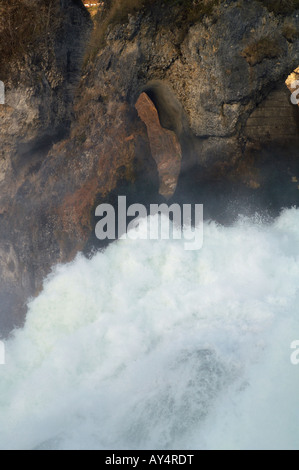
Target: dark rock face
{"x": 40, "y": 85}
{"x": 206, "y": 82}
{"x": 39, "y": 89}
{"x": 164, "y": 144}
{"x": 215, "y": 85}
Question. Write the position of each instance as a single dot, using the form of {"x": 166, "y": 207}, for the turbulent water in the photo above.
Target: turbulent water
{"x": 149, "y": 346}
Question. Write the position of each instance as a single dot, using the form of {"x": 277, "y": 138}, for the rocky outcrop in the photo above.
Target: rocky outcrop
{"x": 206, "y": 78}
{"x": 40, "y": 74}
{"x": 209, "y": 78}
{"x": 164, "y": 144}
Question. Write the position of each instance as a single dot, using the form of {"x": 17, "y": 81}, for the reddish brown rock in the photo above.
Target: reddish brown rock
{"x": 164, "y": 144}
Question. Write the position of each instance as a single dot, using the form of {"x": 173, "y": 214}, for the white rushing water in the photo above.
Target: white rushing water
{"x": 148, "y": 346}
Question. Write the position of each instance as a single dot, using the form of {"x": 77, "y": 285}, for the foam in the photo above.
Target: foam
{"x": 151, "y": 346}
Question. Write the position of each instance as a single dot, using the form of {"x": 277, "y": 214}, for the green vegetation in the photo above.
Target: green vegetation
{"x": 264, "y": 48}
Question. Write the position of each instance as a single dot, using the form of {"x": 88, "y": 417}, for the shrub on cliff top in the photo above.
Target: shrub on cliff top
{"x": 180, "y": 12}
{"x": 290, "y": 32}
{"x": 193, "y": 10}
{"x": 25, "y": 25}
{"x": 264, "y": 48}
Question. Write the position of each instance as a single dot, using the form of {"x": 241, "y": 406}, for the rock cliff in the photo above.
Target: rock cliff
{"x": 183, "y": 100}
{"x": 41, "y": 52}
